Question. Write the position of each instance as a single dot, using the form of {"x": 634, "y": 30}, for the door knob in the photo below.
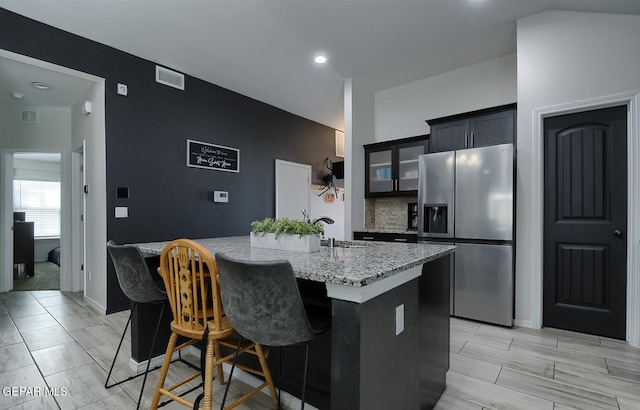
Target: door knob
{"x": 617, "y": 233}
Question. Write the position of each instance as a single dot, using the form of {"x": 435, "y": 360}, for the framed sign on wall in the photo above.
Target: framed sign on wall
{"x": 211, "y": 156}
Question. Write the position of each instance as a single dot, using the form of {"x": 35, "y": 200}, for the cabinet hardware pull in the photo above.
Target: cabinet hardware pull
{"x": 473, "y": 139}
{"x": 368, "y": 238}
{"x": 466, "y": 140}
{"x": 400, "y": 239}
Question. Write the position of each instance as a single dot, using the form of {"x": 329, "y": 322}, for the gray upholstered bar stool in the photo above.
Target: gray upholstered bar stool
{"x": 137, "y": 284}
{"x": 263, "y": 303}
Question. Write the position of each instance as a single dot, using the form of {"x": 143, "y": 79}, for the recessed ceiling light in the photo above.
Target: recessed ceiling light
{"x": 17, "y": 95}
{"x": 41, "y": 86}
{"x": 320, "y": 59}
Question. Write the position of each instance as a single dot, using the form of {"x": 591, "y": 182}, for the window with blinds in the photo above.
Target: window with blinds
{"x": 40, "y": 200}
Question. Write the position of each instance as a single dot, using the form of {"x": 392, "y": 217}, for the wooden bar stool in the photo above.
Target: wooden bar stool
{"x": 189, "y": 273}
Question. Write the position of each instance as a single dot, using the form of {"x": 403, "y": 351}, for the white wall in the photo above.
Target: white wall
{"x": 90, "y": 129}
{"x": 319, "y": 206}
{"x": 42, "y": 247}
{"x": 359, "y": 116}
{"x": 52, "y": 133}
{"x": 563, "y": 57}
{"x": 402, "y": 111}
{"x": 543, "y": 73}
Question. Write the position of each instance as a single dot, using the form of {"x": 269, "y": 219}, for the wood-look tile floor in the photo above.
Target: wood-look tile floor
{"x": 54, "y": 340}
{"x": 498, "y": 368}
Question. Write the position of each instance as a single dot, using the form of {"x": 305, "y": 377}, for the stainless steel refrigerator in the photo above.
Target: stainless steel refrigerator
{"x": 466, "y": 197}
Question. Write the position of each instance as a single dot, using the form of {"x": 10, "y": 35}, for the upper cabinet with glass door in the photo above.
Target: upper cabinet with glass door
{"x": 392, "y": 167}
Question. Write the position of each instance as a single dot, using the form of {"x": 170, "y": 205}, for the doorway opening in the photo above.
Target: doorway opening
{"x": 58, "y": 126}
{"x": 37, "y": 187}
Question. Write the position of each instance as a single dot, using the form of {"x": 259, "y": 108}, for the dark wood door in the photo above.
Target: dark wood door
{"x": 585, "y": 221}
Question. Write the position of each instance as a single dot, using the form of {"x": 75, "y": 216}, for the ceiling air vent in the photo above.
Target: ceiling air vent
{"x": 169, "y": 77}
{"x": 29, "y": 116}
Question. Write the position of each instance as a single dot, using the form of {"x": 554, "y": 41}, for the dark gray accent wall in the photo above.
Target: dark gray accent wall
{"x": 146, "y": 135}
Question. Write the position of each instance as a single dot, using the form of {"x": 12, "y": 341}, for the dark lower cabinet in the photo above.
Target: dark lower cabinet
{"x": 385, "y": 237}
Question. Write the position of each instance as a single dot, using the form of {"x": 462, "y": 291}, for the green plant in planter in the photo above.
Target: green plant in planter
{"x": 286, "y": 226}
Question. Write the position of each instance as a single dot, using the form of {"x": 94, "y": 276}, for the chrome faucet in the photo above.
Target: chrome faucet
{"x": 324, "y": 219}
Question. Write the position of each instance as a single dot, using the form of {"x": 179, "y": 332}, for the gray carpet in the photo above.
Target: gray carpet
{"x": 46, "y": 277}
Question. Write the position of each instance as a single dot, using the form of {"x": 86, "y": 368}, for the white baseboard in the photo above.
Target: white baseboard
{"x": 95, "y": 305}
{"x": 524, "y": 323}
{"x": 140, "y": 367}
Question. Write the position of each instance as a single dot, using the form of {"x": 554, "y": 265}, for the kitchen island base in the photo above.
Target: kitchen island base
{"x": 372, "y": 367}
{"x": 388, "y": 347}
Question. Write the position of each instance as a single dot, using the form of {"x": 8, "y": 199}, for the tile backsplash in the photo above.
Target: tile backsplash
{"x": 387, "y": 213}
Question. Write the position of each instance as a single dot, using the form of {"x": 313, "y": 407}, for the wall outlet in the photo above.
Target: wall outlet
{"x": 89, "y": 276}
{"x": 399, "y": 319}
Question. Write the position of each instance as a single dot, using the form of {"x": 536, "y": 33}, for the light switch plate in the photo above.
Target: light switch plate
{"x": 122, "y": 212}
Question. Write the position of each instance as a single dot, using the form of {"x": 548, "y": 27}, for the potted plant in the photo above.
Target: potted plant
{"x": 286, "y": 234}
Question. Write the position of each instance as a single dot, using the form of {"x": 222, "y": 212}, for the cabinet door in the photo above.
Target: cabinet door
{"x": 380, "y": 171}
{"x": 385, "y": 237}
{"x": 492, "y": 129}
{"x": 449, "y": 136}
{"x": 408, "y": 166}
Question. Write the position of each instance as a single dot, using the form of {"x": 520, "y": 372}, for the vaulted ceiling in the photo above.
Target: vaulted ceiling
{"x": 264, "y": 49}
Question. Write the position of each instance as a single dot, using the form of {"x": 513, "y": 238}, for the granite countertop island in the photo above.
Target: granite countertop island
{"x": 351, "y": 263}
{"x": 388, "y": 346}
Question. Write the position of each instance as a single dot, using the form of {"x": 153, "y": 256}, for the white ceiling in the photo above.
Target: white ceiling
{"x": 17, "y": 76}
{"x": 264, "y": 48}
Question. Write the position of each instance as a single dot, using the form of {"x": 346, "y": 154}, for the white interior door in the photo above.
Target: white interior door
{"x": 292, "y": 189}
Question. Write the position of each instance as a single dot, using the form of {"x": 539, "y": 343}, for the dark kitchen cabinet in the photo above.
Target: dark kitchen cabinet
{"x": 385, "y": 237}
{"x": 490, "y": 126}
{"x": 391, "y": 168}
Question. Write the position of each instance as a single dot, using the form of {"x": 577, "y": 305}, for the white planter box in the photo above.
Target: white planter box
{"x": 306, "y": 243}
